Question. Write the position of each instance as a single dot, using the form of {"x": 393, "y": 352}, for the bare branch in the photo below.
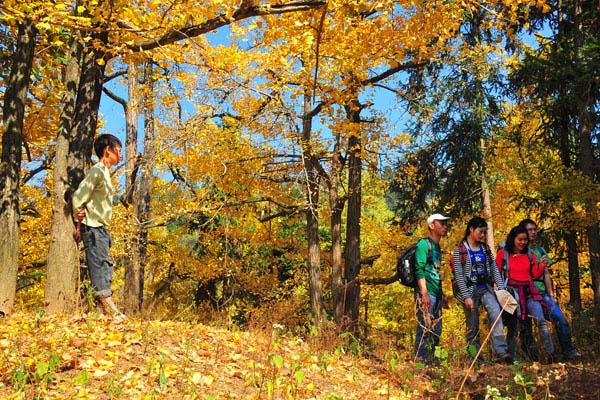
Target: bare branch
{"x": 116, "y": 98}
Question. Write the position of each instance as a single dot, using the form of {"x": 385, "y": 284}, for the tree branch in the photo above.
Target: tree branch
{"x": 116, "y": 98}
{"x": 223, "y": 20}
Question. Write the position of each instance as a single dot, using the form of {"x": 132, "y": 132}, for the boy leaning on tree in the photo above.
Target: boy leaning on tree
{"x": 92, "y": 206}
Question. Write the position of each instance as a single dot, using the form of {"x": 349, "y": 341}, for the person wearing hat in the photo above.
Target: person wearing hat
{"x": 428, "y": 292}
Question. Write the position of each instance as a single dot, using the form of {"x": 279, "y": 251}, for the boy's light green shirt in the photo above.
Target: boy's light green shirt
{"x": 539, "y": 283}
{"x": 95, "y": 194}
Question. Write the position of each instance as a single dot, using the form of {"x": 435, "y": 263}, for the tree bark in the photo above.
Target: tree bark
{"x": 10, "y": 169}
{"x": 352, "y": 251}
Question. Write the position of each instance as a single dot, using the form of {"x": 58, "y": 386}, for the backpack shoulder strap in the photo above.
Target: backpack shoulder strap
{"x": 429, "y": 251}
{"x": 462, "y": 252}
{"x": 530, "y": 256}
{"x": 541, "y": 250}
{"x": 488, "y": 251}
{"x": 505, "y": 266}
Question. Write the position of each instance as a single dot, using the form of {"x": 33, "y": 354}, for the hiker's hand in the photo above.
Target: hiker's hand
{"x": 469, "y": 303}
{"x": 81, "y": 215}
{"x": 77, "y": 235}
{"x": 425, "y": 301}
{"x": 544, "y": 262}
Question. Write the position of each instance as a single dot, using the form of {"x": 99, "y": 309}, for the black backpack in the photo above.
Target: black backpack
{"x": 405, "y": 266}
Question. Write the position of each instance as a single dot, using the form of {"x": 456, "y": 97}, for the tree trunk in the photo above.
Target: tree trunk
{"x": 133, "y": 295}
{"x": 62, "y": 251}
{"x": 337, "y": 207}
{"x": 70, "y": 167}
{"x": 486, "y": 201}
{"x": 352, "y": 253}
{"x": 565, "y": 140}
{"x": 570, "y": 237}
{"x": 15, "y": 96}
{"x": 585, "y": 105}
{"x": 131, "y": 132}
{"x": 131, "y": 302}
{"x": 312, "y": 219}
{"x": 572, "y": 257}
{"x": 587, "y": 168}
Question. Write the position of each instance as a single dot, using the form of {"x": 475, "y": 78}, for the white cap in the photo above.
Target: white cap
{"x": 436, "y": 217}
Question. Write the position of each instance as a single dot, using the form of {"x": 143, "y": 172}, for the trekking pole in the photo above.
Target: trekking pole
{"x": 77, "y": 242}
{"x": 480, "y": 348}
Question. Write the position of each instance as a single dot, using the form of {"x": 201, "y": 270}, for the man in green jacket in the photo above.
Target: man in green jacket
{"x": 428, "y": 292}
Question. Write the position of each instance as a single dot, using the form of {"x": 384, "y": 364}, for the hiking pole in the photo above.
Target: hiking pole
{"x": 77, "y": 242}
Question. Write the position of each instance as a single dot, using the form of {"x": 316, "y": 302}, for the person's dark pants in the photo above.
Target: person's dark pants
{"x": 97, "y": 243}
{"x": 429, "y": 330}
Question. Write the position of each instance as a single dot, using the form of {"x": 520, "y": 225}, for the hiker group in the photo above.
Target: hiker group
{"x": 514, "y": 288}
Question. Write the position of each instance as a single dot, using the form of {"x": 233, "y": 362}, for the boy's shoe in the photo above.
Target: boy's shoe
{"x": 572, "y": 354}
{"x": 552, "y": 359}
{"x": 505, "y": 359}
{"x": 119, "y": 317}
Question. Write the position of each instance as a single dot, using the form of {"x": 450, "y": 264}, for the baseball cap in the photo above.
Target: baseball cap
{"x": 436, "y": 217}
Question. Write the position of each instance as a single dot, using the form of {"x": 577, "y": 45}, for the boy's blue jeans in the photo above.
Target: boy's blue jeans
{"x": 429, "y": 330}
{"x": 482, "y": 296}
{"x": 97, "y": 242}
{"x": 535, "y": 311}
{"x": 561, "y": 325}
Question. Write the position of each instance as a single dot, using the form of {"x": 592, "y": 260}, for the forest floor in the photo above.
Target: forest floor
{"x": 88, "y": 357}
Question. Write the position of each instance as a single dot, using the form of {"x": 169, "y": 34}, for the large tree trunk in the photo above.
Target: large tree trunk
{"x": 587, "y": 168}
{"x": 585, "y": 105}
{"x": 70, "y": 167}
{"x": 352, "y": 253}
{"x": 131, "y": 303}
{"x": 133, "y": 295}
{"x": 312, "y": 218}
{"x": 63, "y": 250}
{"x": 10, "y": 169}
{"x": 563, "y": 127}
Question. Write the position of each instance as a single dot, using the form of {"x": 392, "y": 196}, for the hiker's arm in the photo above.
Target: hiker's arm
{"x": 493, "y": 270}
{"x": 421, "y": 259}
{"x": 538, "y": 268}
{"x": 499, "y": 257}
{"x": 425, "y": 299}
{"x": 459, "y": 275}
{"x": 548, "y": 282}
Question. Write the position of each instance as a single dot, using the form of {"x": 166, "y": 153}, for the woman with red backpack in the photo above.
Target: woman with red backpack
{"x": 475, "y": 277}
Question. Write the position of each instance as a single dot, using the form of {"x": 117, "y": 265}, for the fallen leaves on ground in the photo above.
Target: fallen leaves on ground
{"x": 86, "y": 357}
